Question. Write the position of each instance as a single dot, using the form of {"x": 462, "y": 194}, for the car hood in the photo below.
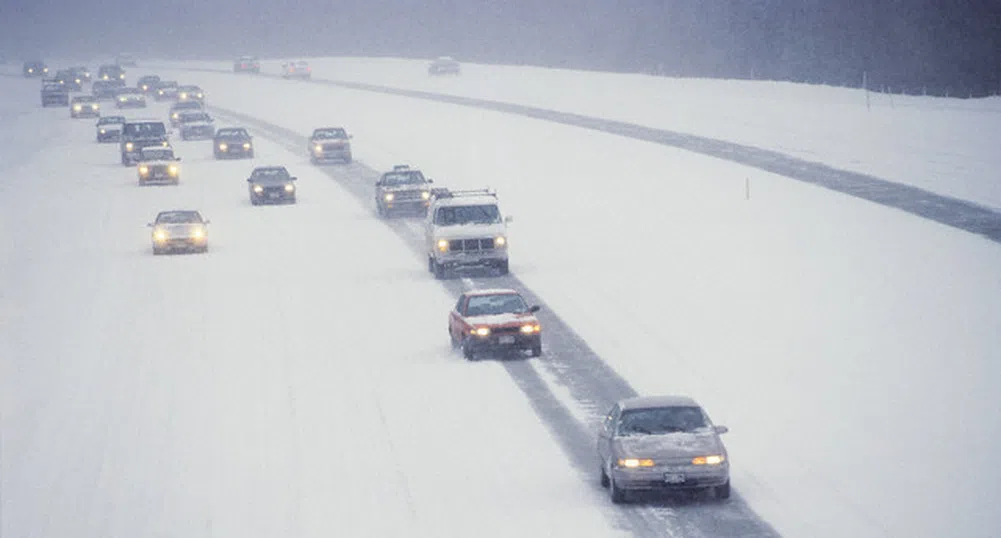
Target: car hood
{"x": 411, "y": 187}
{"x": 158, "y": 163}
{"x": 496, "y": 320}
{"x": 181, "y": 230}
{"x": 668, "y": 446}
{"x": 470, "y": 231}
{"x": 271, "y": 182}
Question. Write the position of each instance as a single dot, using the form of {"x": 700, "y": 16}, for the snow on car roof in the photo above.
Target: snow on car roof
{"x": 646, "y": 402}
{"x": 493, "y": 291}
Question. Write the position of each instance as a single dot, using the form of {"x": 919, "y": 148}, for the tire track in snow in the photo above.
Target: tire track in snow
{"x": 592, "y": 384}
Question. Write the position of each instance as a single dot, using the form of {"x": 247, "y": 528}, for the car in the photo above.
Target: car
{"x": 69, "y": 79}
{"x": 271, "y": 184}
{"x": 166, "y": 90}
{"x": 659, "y": 444}
{"x": 465, "y": 229}
{"x": 104, "y": 90}
{"x": 126, "y": 60}
{"x": 54, "y": 94}
{"x": 232, "y": 142}
{"x": 85, "y": 106}
{"x": 138, "y": 134}
{"x": 148, "y": 83}
{"x": 297, "y": 69}
{"x": 182, "y": 106}
{"x": 179, "y": 230}
{"x": 158, "y": 164}
{"x": 190, "y": 92}
{"x": 329, "y": 143}
{"x": 494, "y": 320}
{"x": 34, "y": 68}
{"x": 82, "y": 72}
{"x": 404, "y": 189}
{"x": 109, "y": 128}
{"x": 247, "y": 64}
{"x": 111, "y": 72}
{"x": 195, "y": 125}
{"x": 126, "y": 97}
{"x": 444, "y": 65}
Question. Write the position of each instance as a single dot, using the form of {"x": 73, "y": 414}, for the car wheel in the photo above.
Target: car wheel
{"x": 452, "y": 340}
{"x": 430, "y": 265}
{"x": 723, "y": 492}
{"x": 536, "y": 349}
{"x": 157, "y": 251}
{"x": 467, "y": 349}
{"x": 503, "y": 268}
{"x": 253, "y": 201}
{"x": 347, "y": 160}
{"x": 438, "y": 270}
{"x": 604, "y": 477}
{"x": 617, "y": 494}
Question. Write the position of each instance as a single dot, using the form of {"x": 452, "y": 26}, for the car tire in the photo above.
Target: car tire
{"x": 467, "y": 349}
{"x": 253, "y": 201}
{"x": 452, "y": 340}
{"x": 438, "y": 269}
{"x": 604, "y": 477}
{"x": 503, "y": 268}
{"x": 430, "y": 265}
{"x": 347, "y": 160}
{"x": 536, "y": 349}
{"x": 157, "y": 251}
{"x": 722, "y": 492}
{"x": 615, "y": 493}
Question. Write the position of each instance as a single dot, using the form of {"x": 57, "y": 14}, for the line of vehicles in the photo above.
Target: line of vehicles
{"x": 644, "y": 444}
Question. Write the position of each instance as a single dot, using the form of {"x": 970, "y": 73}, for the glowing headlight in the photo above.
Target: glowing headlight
{"x": 223, "y": 146}
{"x": 289, "y": 187}
{"x": 128, "y": 146}
{"x": 122, "y": 76}
{"x": 318, "y": 148}
{"x": 159, "y": 235}
{"x": 389, "y": 197}
{"x": 425, "y": 195}
{"x": 105, "y": 77}
{"x": 31, "y": 69}
{"x": 198, "y": 233}
{"x": 184, "y": 95}
{"x": 172, "y": 170}
{"x": 122, "y": 99}
{"x": 175, "y": 115}
{"x": 159, "y": 92}
{"x": 78, "y": 81}
{"x": 443, "y": 245}
{"x": 143, "y": 170}
{"x": 258, "y": 189}
{"x": 95, "y": 106}
{"x": 529, "y": 329}
{"x": 500, "y": 241}
{"x": 45, "y": 70}
{"x": 145, "y": 87}
{"x": 246, "y": 145}
{"x": 481, "y": 331}
{"x": 78, "y": 108}
{"x": 102, "y": 131}
{"x": 632, "y": 463}
{"x": 714, "y": 459}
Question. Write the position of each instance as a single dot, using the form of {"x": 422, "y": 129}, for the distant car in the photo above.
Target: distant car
{"x": 84, "y": 106}
{"x": 126, "y": 60}
{"x": 139, "y": 134}
{"x": 82, "y": 72}
{"x": 126, "y": 97}
{"x": 190, "y": 92}
{"x": 404, "y": 189}
{"x": 271, "y": 184}
{"x": 55, "y": 94}
{"x": 166, "y": 90}
{"x": 35, "y": 68}
{"x": 148, "y": 83}
{"x": 69, "y": 79}
{"x": 444, "y": 65}
{"x": 195, "y": 125}
{"x": 179, "y": 231}
{"x": 113, "y": 73}
{"x": 661, "y": 443}
{"x": 157, "y": 164}
{"x": 182, "y": 106}
{"x": 104, "y": 90}
{"x": 232, "y": 143}
{"x": 109, "y": 128}
{"x": 330, "y": 143}
{"x": 494, "y": 320}
{"x": 297, "y": 69}
{"x": 247, "y": 64}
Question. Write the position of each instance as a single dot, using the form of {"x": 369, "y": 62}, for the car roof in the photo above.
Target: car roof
{"x": 270, "y": 167}
{"x": 648, "y": 402}
{"x": 492, "y": 291}
{"x": 486, "y": 199}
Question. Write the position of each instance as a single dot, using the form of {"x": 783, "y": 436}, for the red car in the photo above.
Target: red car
{"x": 247, "y": 64}
{"x": 494, "y": 320}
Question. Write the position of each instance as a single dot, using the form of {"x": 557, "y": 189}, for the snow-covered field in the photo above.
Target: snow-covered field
{"x": 852, "y": 349}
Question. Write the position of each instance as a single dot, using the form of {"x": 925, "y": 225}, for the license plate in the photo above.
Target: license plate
{"x": 274, "y": 195}
{"x": 674, "y": 478}
{"x": 505, "y": 340}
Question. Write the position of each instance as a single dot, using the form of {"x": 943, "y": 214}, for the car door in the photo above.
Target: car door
{"x": 606, "y": 432}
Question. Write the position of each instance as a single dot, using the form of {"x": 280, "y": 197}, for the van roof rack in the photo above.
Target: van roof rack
{"x": 448, "y": 193}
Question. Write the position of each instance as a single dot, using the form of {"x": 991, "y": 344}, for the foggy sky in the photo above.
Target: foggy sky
{"x": 911, "y": 44}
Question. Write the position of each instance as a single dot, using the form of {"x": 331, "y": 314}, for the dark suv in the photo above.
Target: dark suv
{"x": 139, "y": 134}
{"x": 113, "y": 73}
{"x": 55, "y": 94}
{"x": 232, "y": 142}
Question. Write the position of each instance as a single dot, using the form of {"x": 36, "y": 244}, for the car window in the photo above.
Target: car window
{"x": 470, "y": 214}
{"x": 178, "y": 217}
{"x": 662, "y": 420}
{"x": 326, "y": 134}
{"x": 393, "y": 179}
{"x": 488, "y": 305}
{"x": 157, "y": 154}
{"x": 459, "y": 304}
{"x": 145, "y": 129}
{"x": 270, "y": 173}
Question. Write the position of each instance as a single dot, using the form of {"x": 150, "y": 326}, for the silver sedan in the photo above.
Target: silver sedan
{"x": 661, "y": 443}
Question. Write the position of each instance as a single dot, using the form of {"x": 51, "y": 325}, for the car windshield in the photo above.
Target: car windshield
{"x": 83, "y": 99}
{"x": 501, "y": 303}
{"x": 329, "y": 134}
{"x": 187, "y": 105}
{"x": 128, "y": 91}
{"x": 195, "y": 116}
{"x": 412, "y": 177}
{"x": 157, "y": 154}
{"x": 145, "y": 129}
{"x": 167, "y": 84}
{"x": 262, "y": 174}
{"x": 52, "y": 87}
{"x": 232, "y": 133}
{"x": 662, "y": 420}
{"x": 111, "y": 119}
{"x": 467, "y": 214}
{"x": 178, "y": 217}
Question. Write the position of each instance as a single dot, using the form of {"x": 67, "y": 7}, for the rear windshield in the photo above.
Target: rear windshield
{"x": 467, "y": 214}
{"x": 145, "y": 129}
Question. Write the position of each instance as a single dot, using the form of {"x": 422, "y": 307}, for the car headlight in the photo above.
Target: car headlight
{"x": 172, "y": 170}
{"x": 31, "y": 70}
{"x": 289, "y": 187}
{"x": 128, "y": 146}
{"x": 633, "y": 463}
{"x": 159, "y": 92}
{"x": 105, "y": 77}
{"x": 78, "y": 108}
{"x": 500, "y": 241}
{"x": 258, "y": 189}
{"x": 531, "y": 328}
{"x": 481, "y": 331}
{"x": 198, "y": 233}
{"x": 318, "y": 148}
{"x": 143, "y": 170}
{"x": 78, "y": 81}
{"x": 389, "y": 197}
{"x": 443, "y": 245}
{"x": 246, "y": 145}
{"x": 184, "y": 95}
{"x": 95, "y": 106}
{"x": 122, "y": 99}
{"x": 122, "y": 76}
{"x": 159, "y": 234}
{"x": 714, "y": 459}
{"x": 426, "y": 195}
{"x": 102, "y": 131}
{"x": 223, "y": 146}
{"x": 175, "y": 115}
{"x": 145, "y": 87}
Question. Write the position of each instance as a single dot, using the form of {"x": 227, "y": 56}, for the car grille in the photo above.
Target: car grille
{"x": 333, "y": 147}
{"x": 505, "y": 330}
{"x": 407, "y": 195}
{"x": 470, "y": 245}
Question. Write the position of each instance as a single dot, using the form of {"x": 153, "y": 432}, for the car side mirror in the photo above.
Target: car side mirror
{"x": 430, "y": 180}
{"x": 208, "y": 222}
{"x": 293, "y": 178}
{"x": 508, "y": 219}
{"x": 177, "y": 158}
{"x": 378, "y": 183}
{"x": 149, "y": 224}
{"x": 721, "y": 429}
{"x": 534, "y": 308}
{"x": 249, "y": 180}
